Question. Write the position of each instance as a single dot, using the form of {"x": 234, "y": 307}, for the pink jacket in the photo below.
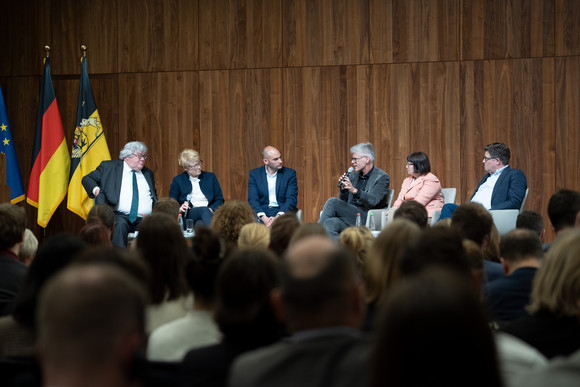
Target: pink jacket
{"x": 426, "y": 190}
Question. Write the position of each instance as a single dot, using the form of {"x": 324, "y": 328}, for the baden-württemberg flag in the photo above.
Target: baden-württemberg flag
{"x": 13, "y": 178}
{"x": 50, "y": 159}
{"x": 89, "y": 146}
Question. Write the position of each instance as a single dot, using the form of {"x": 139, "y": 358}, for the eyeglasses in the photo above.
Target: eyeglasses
{"x": 196, "y": 165}
{"x": 408, "y": 165}
{"x": 488, "y": 158}
{"x": 140, "y": 157}
{"x": 355, "y": 159}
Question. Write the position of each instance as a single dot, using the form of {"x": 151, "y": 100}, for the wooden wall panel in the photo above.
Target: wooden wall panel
{"x": 497, "y": 29}
{"x": 240, "y": 34}
{"x": 321, "y": 32}
{"x": 567, "y": 27}
{"x": 92, "y": 23}
{"x": 157, "y": 35}
{"x": 414, "y": 31}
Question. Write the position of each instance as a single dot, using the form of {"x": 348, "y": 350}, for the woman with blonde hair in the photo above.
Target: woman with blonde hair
{"x": 552, "y": 326}
{"x": 198, "y": 191}
{"x": 382, "y": 270}
{"x": 358, "y": 241}
{"x": 255, "y": 235}
{"x": 230, "y": 218}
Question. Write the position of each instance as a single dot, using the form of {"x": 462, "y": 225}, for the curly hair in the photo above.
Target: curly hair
{"x": 230, "y": 218}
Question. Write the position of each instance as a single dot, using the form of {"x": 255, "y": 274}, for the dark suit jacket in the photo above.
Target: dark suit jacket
{"x": 330, "y": 361}
{"x": 108, "y": 176}
{"x": 375, "y": 193}
{"x": 509, "y": 190}
{"x": 208, "y": 182}
{"x": 286, "y": 189}
{"x": 12, "y": 273}
{"x": 508, "y": 296}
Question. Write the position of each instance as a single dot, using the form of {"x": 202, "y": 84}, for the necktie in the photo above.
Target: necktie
{"x": 135, "y": 201}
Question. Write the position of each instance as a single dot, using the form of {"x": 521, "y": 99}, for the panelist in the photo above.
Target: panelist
{"x": 501, "y": 188}
{"x": 127, "y": 186}
{"x": 272, "y": 189}
{"x": 421, "y": 186}
{"x": 361, "y": 190}
{"x": 198, "y": 191}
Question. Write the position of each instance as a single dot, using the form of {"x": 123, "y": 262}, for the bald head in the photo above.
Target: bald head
{"x": 272, "y": 159}
{"x": 309, "y": 257}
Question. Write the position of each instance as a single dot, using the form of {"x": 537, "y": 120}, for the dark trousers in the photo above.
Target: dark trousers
{"x": 122, "y": 228}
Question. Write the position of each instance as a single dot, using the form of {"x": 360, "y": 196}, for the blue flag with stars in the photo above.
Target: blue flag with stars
{"x": 13, "y": 178}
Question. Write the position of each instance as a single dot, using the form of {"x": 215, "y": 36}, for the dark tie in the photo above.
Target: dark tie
{"x": 135, "y": 201}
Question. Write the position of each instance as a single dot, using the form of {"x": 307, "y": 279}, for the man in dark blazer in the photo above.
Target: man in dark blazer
{"x": 272, "y": 189}
{"x": 12, "y": 271}
{"x": 112, "y": 183}
{"x": 321, "y": 301}
{"x": 363, "y": 189}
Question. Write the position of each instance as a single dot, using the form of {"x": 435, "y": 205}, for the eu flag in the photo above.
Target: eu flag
{"x": 13, "y": 178}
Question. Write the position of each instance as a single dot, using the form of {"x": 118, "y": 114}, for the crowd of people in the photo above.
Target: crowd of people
{"x": 258, "y": 298}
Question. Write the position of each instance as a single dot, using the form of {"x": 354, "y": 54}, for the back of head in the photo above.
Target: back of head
{"x": 29, "y": 247}
{"x": 282, "y": 231}
{"x": 101, "y": 213}
{"x": 519, "y": 245}
{"x": 230, "y": 218}
{"x": 12, "y": 225}
{"x": 473, "y": 221}
{"x": 500, "y": 151}
{"x": 436, "y": 247}
{"x": 168, "y": 206}
{"x": 161, "y": 244}
{"x": 306, "y": 230}
{"x": 563, "y": 208}
{"x": 254, "y": 235}
{"x": 243, "y": 310}
{"x": 358, "y": 241}
{"x": 317, "y": 280}
{"x": 413, "y": 211}
{"x": 435, "y": 321}
{"x": 83, "y": 313}
{"x": 531, "y": 220}
{"x": 383, "y": 269}
{"x": 556, "y": 287}
{"x": 96, "y": 234}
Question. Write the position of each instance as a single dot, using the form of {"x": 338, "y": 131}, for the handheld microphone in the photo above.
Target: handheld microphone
{"x": 342, "y": 178}
{"x": 189, "y": 203}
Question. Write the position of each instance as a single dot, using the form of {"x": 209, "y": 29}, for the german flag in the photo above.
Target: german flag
{"x": 50, "y": 159}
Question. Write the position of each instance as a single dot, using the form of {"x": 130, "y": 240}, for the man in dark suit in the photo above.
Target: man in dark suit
{"x": 320, "y": 299}
{"x": 501, "y": 188}
{"x": 127, "y": 186}
{"x": 12, "y": 271}
{"x": 272, "y": 189}
{"x": 520, "y": 255}
{"x": 361, "y": 190}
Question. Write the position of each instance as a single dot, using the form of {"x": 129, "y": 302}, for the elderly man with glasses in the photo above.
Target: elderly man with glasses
{"x": 127, "y": 186}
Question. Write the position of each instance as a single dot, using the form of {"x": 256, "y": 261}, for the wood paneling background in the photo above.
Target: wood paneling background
{"x": 312, "y": 77}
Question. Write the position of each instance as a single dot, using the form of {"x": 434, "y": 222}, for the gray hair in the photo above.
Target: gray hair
{"x": 132, "y": 147}
{"x": 364, "y": 149}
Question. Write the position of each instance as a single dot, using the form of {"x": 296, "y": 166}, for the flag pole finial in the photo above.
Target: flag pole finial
{"x": 47, "y": 49}
{"x": 84, "y": 50}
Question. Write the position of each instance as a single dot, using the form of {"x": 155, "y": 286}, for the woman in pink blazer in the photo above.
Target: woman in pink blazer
{"x": 421, "y": 185}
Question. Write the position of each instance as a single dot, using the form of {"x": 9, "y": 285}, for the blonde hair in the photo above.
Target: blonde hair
{"x": 383, "y": 261}
{"x": 255, "y": 235}
{"x": 29, "y": 247}
{"x": 187, "y": 157}
{"x": 556, "y": 286}
{"x": 358, "y": 241}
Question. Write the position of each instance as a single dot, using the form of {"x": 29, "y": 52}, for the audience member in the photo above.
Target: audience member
{"x": 281, "y": 232}
{"x": 29, "y": 247}
{"x": 532, "y": 220}
{"x": 168, "y": 206}
{"x": 491, "y": 249}
{"x": 172, "y": 341}
{"x": 414, "y": 211}
{"x": 552, "y": 326}
{"x": 161, "y": 244}
{"x": 18, "y": 331}
{"x": 382, "y": 271}
{"x": 244, "y": 314}
{"x": 321, "y": 301}
{"x": 521, "y": 253}
{"x": 475, "y": 258}
{"x": 12, "y": 271}
{"x": 358, "y": 241}
{"x": 254, "y": 235}
{"x": 564, "y": 211}
{"x": 306, "y": 230}
{"x": 91, "y": 325}
{"x": 432, "y": 323}
{"x": 96, "y": 234}
{"x": 229, "y": 219}
{"x": 102, "y": 213}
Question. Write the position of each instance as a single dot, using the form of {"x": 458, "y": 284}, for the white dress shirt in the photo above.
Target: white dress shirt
{"x": 483, "y": 194}
{"x": 126, "y": 194}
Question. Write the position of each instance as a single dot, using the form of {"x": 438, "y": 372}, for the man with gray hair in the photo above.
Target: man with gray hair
{"x": 127, "y": 186}
{"x": 364, "y": 188}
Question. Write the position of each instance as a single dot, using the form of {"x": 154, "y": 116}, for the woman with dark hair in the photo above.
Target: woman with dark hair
{"x": 421, "y": 185}
{"x": 161, "y": 244}
{"x": 243, "y": 313}
{"x": 96, "y": 234}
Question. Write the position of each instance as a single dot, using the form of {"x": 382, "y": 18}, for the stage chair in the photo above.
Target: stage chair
{"x": 448, "y": 197}
{"x": 505, "y": 220}
{"x": 380, "y": 214}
